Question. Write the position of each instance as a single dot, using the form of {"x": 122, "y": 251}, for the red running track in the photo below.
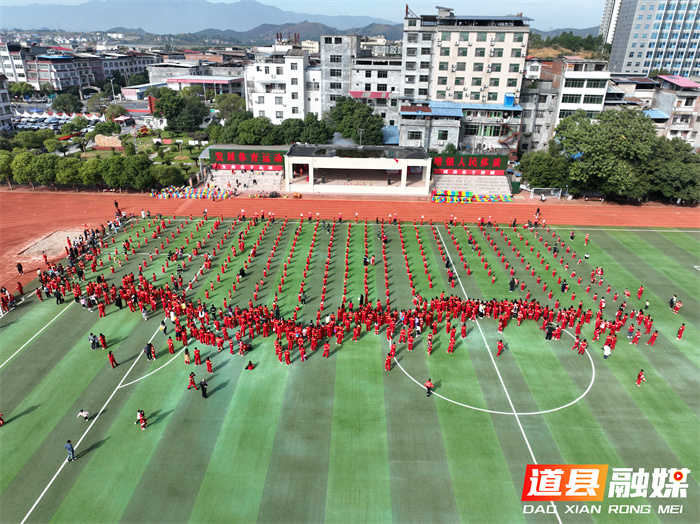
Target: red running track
{"x": 26, "y": 217}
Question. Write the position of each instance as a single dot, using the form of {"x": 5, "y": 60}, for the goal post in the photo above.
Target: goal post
{"x": 545, "y": 192}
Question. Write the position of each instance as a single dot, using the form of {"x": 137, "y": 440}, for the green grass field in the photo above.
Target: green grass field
{"x": 340, "y": 439}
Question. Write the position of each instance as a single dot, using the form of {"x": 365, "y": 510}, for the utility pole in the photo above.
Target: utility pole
{"x": 360, "y": 130}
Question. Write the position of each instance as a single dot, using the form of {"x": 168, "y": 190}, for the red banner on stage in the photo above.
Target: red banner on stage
{"x": 247, "y": 167}
{"x": 468, "y": 172}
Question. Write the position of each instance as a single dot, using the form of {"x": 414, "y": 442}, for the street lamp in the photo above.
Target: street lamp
{"x": 361, "y": 131}
{"x": 111, "y": 81}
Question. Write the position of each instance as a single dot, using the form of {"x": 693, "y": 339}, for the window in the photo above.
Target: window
{"x": 457, "y": 95}
{"x": 570, "y": 82}
{"x": 444, "y": 51}
{"x": 336, "y": 85}
{"x": 393, "y": 102}
{"x": 593, "y": 99}
{"x": 261, "y": 113}
{"x": 382, "y": 87}
{"x": 412, "y": 23}
{"x": 441, "y": 95}
{"x": 267, "y": 70}
{"x": 596, "y": 84}
{"x": 494, "y": 82}
{"x": 462, "y": 51}
{"x": 513, "y": 68}
{"x": 382, "y": 74}
{"x": 493, "y": 96}
{"x": 497, "y": 52}
{"x": 368, "y": 87}
{"x": 512, "y": 82}
{"x": 461, "y": 66}
{"x": 500, "y": 37}
{"x": 415, "y": 135}
{"x": 518, "y": 37}
{"x": 408, "y": 92}
{"x": 278, "y": 100}
{"x": 294, "y": 66}
{"x": 476, "y": 81}
{"x": 295, "y": 110}
{"x": 295, "y": 96}
{"x": 295, "y": 81}
{"x": 327, "y": 40}
{"x": 412, "y": 38}
{"x": 336, "y": 72}
{"x": 368, "y": 74}
{"x": 496, "y": 68}
{"x": 410, "y": 66}
{"x": 279, "y": 70}
{"x": 424, "y": 78}
{"x": 474, "y": 95}
{"x": 442, "y": 81}
{"x": 459, "y": 81}
{"x": 443, "y": 66}
{"x": 516, "y": 53}
{"x": 445, "y": 36}
{"x": 463, "y": 37}
{"x": 427, "y": 37}
{"x": 338, "y": 40}
{"x": 261, "y": 100}
{"x": 571, "y": 99}
{"x": 442, "y": 134}
{"x": 336, "y": 59}
{"x": 425, "y": 65}
{"x": 425, "y": 51}
{"x": 410, "y": 79}
{"x": 333, "y": 98}
{"x": 422, "y": 92}
{"x": 566, "y": 112}
{"x": 478, "y": 66}
{"x": 411, "y": 51}
{"x": 480, "y": 51}
{"x": 481, "y": 37}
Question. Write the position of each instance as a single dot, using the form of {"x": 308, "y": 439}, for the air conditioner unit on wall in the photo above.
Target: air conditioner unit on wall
{"x": 457, "y": 42}
{"x": 439, "y": 43}
{"x": 470, "y": 43}
{"x": 441, "y": 143}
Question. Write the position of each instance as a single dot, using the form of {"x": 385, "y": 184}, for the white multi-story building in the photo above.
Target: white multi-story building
{"x": 654, "y": 35}
{"x": 13, "y": 59}
{"x": 281, "y": 83}
{"x": 128, "y": 64}
{"x": 5, "y": 106}
{"x": 159, "y": 73}
{"x": 609, "y": 21}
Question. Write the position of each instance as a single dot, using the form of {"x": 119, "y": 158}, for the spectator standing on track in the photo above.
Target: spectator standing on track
{"x": 69, "y": 448}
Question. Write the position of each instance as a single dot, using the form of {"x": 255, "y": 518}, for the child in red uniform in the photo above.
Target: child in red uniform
{"x": 500, "y": 348}
{"x": 640, "y": 378}
{"x": 208, "y": 363}
{"x": 192, "y": 383}
{"x": 680, "y": 332}
{"x": 387, "y": 363}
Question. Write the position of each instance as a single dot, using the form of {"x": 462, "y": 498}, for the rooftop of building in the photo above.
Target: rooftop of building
{"x": 386, "y": 151}
{"x": 205, "y": 79}
{"x": 623, "y": 79}
{"x": 680, "y": 81}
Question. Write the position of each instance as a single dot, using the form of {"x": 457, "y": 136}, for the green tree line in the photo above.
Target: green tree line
{"x": 618, "y": 155}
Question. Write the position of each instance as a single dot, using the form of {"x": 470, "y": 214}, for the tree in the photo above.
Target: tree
{"x": 90, "y": 172}
{"x": 97, "y": 103}
{"x": 104, "y": 128}
{"x": 315, "y": 131}
{"x": 6, "y": 167}
{"x": 80, "y": 142}
{"x": 349, "y": 116}
{"x": 115, "y": 110}
{"x": 542, "y": 169}
{"x": 252, "y": 132}
{"x": 138, "y": 79}
{"x": 21, "y": 89}
{"x": 112, "y": 171}
{"x": 228, "y": 104}
{"x": 658, "y": 72}
{"x": 75, "y": 125}
{"x": 674, "y": 170}
{"x": 137, "y": 170}
{"x": 450, "y": 149}
{"x": 167, "y": 175}
{"x": 47, "y": 89}
{"x": 183, "y": 112}
{"x": 69, "y": 171}
{"x": 608, "y": 154}
{"x": 67, "y": 103}
{"x": 23, "y": 168}
{"x": 33, "y": 139}
{"x": 129, "y": 149}
{"x": 45, "y": 167}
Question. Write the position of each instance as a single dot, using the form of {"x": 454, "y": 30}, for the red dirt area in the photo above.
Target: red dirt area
{"x": 27, "y": 217}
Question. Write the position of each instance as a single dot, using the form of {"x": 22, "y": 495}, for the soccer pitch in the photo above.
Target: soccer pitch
{"x": 340, "y": 439}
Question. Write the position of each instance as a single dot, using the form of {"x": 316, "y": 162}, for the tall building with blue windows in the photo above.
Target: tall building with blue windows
{"x": 654, "y": 34}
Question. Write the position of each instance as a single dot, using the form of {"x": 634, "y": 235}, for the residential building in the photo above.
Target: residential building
{"x": 607, "y": 25}
{"x": 279, "y": 83}
{"x": 14, "y": 57}
{"x": 580, "y": 83}
{"x": 128, "y": 64}
{"x": 472, "y": 63}
{"x": 5, "y": 106}
{"x": 218, "y": 84}
{"x": 679, "y": 98}
{"x": 539, "y": 100}
{"x": 61, "y": 71}
{"x": 158, "y": 73}
{"x": 651, "y": 35}
{"x": 337, "y": 54}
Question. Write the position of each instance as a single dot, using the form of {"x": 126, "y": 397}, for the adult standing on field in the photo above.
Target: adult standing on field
{"x": 69, "y": 449}
{"x": 203, "y": 387}
{"x": 429, "y": 386}
{"x": 112, "y": 360}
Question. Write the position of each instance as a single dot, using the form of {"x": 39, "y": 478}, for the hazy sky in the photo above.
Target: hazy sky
{"x": 548, "y": 14}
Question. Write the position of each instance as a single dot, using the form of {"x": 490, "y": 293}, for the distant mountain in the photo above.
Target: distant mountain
{"x": 308, "y": 31}
{"x": 167, "y": 16}
{"x": 583, "y": 33}
{"x": 125, "y": 30}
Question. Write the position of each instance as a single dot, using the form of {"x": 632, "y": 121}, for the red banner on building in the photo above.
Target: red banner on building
{"x": 469, "y": 164}
{"x": 247, "y": 167}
